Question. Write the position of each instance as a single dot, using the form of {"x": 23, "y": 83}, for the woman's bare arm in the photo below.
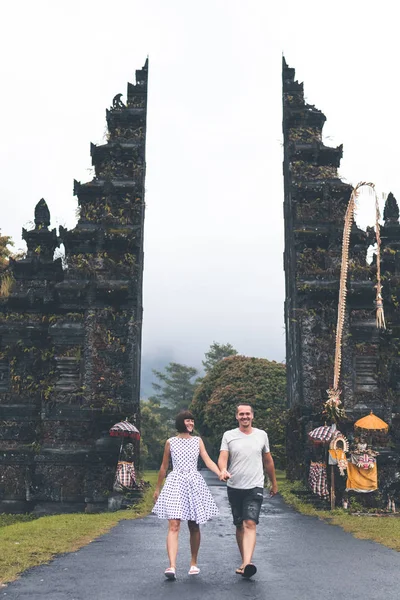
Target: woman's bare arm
{"x": 163, "y": 470}
{"x": 210, "y": 464}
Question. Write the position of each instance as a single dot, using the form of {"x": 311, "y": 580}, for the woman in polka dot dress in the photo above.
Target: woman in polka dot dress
{"x": 185, "y": 495}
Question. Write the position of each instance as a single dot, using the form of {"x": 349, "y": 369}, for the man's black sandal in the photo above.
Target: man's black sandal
{"x": 249, "y": 570}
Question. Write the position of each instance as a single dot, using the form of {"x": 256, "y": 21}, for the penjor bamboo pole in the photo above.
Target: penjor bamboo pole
{"x": 348, "y": 222}
{"x": 333, "y": 495}
{"x": 380, "y": 319}
{"x": 333, "y": 393}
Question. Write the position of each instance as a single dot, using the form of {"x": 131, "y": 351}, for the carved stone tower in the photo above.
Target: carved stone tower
{"x": 314, "y": 207}
{"x": 70, "y": 338}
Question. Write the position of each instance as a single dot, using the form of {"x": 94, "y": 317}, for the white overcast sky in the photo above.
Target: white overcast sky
{"x": 214, "y": 191}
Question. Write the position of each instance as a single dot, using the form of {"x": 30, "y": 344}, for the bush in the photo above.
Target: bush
{"x": 236, "y": 379}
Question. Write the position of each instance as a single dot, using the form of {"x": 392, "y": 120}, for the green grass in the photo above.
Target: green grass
{"x": 382, "y": 529}
{"x": 26, "y": 541}
{"x": 11, "y": 519}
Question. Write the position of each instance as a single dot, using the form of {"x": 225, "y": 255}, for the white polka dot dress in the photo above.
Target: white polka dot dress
{"x": 185, "y": 494}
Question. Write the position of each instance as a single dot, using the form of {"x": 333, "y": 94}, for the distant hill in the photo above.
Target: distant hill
{"x": 149, "y": 362}
{"x": 157, "y": 360}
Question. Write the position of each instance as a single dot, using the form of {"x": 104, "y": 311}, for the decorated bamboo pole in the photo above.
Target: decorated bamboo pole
{"x": 333, "y": 406}
{"x": 333, "y": 495}
{"x": 380, "y": 317}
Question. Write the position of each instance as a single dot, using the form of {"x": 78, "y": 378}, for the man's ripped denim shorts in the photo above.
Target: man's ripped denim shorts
{"x": 245, "y": 504}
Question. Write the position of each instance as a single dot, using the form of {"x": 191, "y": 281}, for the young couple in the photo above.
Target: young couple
{"x": 186, "y": 497}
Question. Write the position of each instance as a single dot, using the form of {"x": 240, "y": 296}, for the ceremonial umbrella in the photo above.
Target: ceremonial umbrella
{"x": 124, "y": 429}
{"x": 322, "y": 435}
{"x": 371, "y": 423}
{"x": 372, "y": 426}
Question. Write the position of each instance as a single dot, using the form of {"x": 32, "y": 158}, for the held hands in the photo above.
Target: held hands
{"x": 224, "y": 475}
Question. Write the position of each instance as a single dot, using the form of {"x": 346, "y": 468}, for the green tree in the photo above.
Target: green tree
{"x": 153, "y": 435}
{"x": 216, "y": 353}
{"x": 6, "y": 277}
{"x": 5, "y": 252}
{"x": 175, "y": 388}
{"x": 260, "y": 382}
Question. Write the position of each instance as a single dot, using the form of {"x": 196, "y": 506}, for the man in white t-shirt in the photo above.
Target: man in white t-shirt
{"x": 246, "y": 449}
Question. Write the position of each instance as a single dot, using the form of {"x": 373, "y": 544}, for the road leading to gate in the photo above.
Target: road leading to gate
{"x": 298, "y": 557}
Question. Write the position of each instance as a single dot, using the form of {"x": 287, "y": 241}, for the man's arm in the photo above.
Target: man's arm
{"x": 269, "y": 468}
{"x": 223, "y": 463}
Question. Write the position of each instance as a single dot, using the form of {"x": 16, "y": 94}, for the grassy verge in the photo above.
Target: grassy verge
{"x": 6, "y": 520}
{"x": 382, "y": 529}
{"x": 26, "y": 542}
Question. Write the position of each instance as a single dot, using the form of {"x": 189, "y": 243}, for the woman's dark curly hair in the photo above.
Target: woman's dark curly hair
{"x": 180, "y": 420}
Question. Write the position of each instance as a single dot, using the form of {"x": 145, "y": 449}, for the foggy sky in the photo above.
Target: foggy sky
{"x": 214, "y": 189}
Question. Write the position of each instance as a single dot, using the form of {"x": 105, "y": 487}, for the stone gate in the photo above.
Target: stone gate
{"x": 70, "y": 331}
{"x": 315, "y": 202}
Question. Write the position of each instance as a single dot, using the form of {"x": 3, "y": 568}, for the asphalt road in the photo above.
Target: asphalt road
{"x": 298, "y": 557}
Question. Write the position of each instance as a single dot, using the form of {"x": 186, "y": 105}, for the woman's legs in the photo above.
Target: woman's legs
{"x": 194, "y": 541}
{"x": 172, "y": 540}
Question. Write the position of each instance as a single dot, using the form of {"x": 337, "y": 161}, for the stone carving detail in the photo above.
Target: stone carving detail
{"x": 4, "y": 375}
{"x": 391, "y": 211}
{"x": 129, "y": 133}
{"x": 117, "y": 102}
{"x": 68, "y": 370}
{"x": 365, "y": 368}
{"x": 137, "y": 101}
{"x": 42, "y": 214}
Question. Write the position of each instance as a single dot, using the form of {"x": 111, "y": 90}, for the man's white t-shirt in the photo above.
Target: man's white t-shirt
{"x": 245, "y": 457}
